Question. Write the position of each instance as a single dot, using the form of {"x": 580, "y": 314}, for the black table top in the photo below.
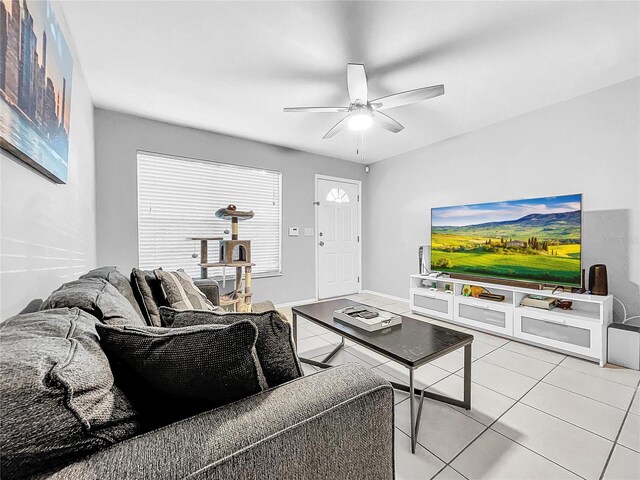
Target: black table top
{"x": 412, "y": 343}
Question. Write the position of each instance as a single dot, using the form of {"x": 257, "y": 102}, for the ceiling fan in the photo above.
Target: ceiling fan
{"x": 361, "y": 111}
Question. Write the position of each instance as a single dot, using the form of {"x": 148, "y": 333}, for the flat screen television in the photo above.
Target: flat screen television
{"x": 533, "y": 240}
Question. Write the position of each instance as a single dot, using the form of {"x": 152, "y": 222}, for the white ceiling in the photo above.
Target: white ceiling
{"x": 231, "y": 67}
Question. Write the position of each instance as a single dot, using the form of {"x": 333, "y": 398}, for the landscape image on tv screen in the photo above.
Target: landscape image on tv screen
{"x": 532, "y": 240}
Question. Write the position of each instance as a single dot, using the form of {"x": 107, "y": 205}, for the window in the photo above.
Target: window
{"x": 337, "y": 195}
{"x": 178, "y": 198}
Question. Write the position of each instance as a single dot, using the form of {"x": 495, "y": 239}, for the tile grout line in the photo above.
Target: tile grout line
{"x": 524, "y": 446}
{"x": 567, "y": 421}
{"x": 425, "y": 448}
{"x": 615, "y": 442}
{"x": 585, "y": 396}
{"x": 594, "y": 376}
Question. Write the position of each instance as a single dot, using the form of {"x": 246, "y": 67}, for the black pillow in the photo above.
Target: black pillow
{"x": 173, "y": 373}
{"x": 148, "y": 289}
{"x": 97, "y": 297}
{"x": 274, "y": 345}
{"x": 59, "y": 400}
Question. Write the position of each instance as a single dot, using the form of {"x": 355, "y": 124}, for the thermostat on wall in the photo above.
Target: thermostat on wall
{"x": 293, "y": 231}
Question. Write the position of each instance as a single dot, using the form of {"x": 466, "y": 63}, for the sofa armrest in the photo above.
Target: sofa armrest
{"x": 210, "y": 288}
{"x": 337, "y": 423}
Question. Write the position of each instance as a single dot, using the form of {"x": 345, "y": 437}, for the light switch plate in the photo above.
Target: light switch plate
{"x": 293, "y": 231}
{"x": 308, "y": 232}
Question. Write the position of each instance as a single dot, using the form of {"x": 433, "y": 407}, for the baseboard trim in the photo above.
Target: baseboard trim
{"x": 392, "y": 297}
{"x": 297, "y": 302}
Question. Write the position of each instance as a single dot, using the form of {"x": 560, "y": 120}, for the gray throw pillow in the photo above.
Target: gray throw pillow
{"x": 150, "y": 295}
{"x": 97, "y": 297}
{"x": 274, "y": 345}
{"x": 118, "y": 280}
{"x": 59, "y": 400}
{"x": 181, "y": 292}
{"x": 173, "y": 373}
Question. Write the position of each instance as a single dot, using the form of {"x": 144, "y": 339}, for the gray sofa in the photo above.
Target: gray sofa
{"x": 334, "y": 424}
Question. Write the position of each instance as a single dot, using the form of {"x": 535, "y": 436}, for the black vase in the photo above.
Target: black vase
{"x": 598, "y": 280}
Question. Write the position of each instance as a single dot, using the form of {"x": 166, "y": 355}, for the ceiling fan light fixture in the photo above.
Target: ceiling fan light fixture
{"x": 360, "y": 119}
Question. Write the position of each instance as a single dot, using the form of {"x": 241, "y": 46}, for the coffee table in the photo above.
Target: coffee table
{"x": 412, "y": 344}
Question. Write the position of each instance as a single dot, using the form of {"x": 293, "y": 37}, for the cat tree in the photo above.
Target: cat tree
{"x": 233, "y": 253}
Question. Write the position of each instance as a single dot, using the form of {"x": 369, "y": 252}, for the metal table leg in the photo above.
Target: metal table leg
{"x": 322, "y": 363}
{"x": 421, "y": 394}
{"x": 413, "y": 421}
{"x": 294, "y": 328}
{"x": 466, "y": 404}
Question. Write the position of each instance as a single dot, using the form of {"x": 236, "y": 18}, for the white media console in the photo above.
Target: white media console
{"x": 581, "y": 331}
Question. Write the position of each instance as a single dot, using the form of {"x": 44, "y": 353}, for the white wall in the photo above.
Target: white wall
{"x": 120, "y": 136}
{"x": 47, "y": 230}
{"x": 589, "y": 145}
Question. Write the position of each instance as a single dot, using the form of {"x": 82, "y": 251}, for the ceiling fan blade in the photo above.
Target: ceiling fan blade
{"x": 357, "y": 83}
{"x": 317, "y": 109}
{"x": 337, "y": 128}
{"x": 388, "y": 123}
{"x": 410, "y": 96}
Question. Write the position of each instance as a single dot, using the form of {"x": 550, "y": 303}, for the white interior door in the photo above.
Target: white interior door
{"x": 337, "y": 237}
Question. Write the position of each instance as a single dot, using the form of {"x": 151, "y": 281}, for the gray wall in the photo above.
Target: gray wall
{"x": 48, "y": 231}
{"x": 120, "y": 136}
{"x": 589, "y": 145}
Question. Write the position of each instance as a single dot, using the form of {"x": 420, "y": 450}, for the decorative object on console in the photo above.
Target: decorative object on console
{"x": 564, "y": 304}
{"x": 494, "y": 297}
{"x": 430, "y": 284}
{"x": 35, "y": 100}
{"x": 538, "y": 301}
{"x": 598, "y": 284}
{"x": 480, "y": 292}
{"x": 476, "y": 291}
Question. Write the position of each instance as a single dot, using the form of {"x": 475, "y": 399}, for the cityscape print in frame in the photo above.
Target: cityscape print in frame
{"x": 36, "y": 70}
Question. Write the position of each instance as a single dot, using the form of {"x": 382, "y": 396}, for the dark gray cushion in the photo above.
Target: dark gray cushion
{"x": 96, "y": 297}
{"x": 181, "y": 292}
{"x": 150, "y": 295}
{"x": 118, "y": 280}
{"x": 59, "y": 401}
{"x": 172, "y": 373}
{"x": 274, "y": 344}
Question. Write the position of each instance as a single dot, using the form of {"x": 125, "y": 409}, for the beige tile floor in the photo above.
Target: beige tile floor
{"x": 535, "y": 414}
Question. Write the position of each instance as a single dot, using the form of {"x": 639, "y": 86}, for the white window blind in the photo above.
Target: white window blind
{"x": 178, "y": 198}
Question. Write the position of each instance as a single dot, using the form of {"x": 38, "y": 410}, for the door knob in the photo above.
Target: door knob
{"x": 321, "y": 244}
